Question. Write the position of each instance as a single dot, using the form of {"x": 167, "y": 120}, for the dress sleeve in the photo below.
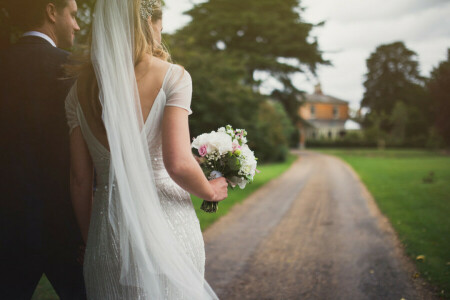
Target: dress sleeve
{"x": 71, "y": 109}
{"x": 179, "y": 88}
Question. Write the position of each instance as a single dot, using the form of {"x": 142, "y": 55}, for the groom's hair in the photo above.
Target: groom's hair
{"x": 28, "y": 14}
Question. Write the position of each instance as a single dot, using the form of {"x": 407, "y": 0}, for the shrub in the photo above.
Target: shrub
{"x": 269, "y": 135}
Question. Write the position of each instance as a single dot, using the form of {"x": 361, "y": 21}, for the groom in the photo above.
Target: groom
{"x": 38, "y": 231}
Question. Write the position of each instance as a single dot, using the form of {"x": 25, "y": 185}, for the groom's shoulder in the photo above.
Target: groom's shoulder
{"x": 37, "y": 50}
{"x": 53, "y": 52}
{"x": 60, "y": 52}
{"x": 20, "y": 61}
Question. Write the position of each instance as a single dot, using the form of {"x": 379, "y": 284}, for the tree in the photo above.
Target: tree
{"x": 374, "y": 133}
{"x": 220, "y": 97}
{"x": 392, "y": 77}
{"x": 272, "y": 132}
{"x": 289, "y": 98}
{"x": 439, "y": 88}
{"x": 261, "y": 35}
{"x": 258, "y": 32}
{"x": 392, "y": 72}
{"x": 399, "y": 119}
{"x": 8, "y": 31}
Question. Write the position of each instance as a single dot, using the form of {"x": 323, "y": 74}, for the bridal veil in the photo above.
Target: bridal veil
{"x": 150, "y": 255}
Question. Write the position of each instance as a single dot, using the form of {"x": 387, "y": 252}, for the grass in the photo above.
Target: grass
{"x": 418, "y": 211}
{"x": 44, "y": 290}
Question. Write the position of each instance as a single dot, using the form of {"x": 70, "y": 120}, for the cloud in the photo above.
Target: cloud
{"x": 354, "y": 28}
{"x": 366, "y": 10}
{"x": 424, "y": 26}
{"x": 173, "y": 13}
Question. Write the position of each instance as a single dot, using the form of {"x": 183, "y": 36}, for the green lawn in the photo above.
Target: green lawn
{"x": 418, "y": 211}
{"x": 44, "y": 290}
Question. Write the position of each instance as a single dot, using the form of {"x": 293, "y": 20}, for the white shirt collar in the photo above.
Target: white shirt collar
{"x": 41, "y": 35}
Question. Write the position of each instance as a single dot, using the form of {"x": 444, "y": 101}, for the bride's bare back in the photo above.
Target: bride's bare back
{"x": 150, "y": 74}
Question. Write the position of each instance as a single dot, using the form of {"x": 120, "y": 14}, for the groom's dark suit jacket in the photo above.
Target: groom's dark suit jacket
{"x": 36, "y": 212}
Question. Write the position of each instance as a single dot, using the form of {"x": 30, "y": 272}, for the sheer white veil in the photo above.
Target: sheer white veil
{"x": 152, "y": 260}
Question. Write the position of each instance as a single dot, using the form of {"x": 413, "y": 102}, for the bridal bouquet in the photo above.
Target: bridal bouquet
{"x": 225, "y": 153}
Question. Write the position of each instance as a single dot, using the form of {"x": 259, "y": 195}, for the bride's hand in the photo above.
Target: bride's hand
{"x": 220, "y": 187}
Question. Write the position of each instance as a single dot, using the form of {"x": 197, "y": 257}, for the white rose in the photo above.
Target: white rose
{"x": 246, "y": 168}
{"x": 221, "y": 142}
{"x": 203, "y": 139}
{"x": 200, "y": 141}
{"x": 249, "y": 155}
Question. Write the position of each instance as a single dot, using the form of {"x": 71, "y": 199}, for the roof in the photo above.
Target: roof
{"x": 319, "y": 97}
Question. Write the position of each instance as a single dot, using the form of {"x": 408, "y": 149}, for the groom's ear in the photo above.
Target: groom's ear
{"x": 50, "y": 12}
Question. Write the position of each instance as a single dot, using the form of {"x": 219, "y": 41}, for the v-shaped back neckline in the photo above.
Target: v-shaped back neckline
{"x": 157, "y": 96}
{"x": 144, "y": 127}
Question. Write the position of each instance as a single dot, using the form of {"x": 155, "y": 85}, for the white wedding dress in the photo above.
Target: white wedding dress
{"x": 102, "y": 260}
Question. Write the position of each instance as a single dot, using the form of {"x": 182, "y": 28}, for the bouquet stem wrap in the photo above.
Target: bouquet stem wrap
{"x": 210, "y": 206}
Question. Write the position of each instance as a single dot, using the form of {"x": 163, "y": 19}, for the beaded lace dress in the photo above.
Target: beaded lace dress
{"x": 102, "y": 259}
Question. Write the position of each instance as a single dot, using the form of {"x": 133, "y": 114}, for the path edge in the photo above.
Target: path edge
{"x": 423, "y": 287}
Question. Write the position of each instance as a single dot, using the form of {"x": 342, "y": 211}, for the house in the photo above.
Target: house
{"x": 325, "y": 116}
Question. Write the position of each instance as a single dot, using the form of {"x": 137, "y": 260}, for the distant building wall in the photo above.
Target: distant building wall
{"x": 324, "y": 111}
{"x": 325, "y": 117}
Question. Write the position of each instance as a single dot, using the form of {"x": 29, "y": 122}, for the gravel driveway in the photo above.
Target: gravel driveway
{"x": 313, "y": 233}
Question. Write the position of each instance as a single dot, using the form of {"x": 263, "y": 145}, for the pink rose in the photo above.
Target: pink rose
{"x": 203, "y": 150}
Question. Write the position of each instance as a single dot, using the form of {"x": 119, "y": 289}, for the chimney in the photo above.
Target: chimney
{"x": 318, "y": 89}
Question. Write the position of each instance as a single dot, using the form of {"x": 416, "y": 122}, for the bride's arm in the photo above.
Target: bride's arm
{"x": 81, "y": 180}
{"x": 179, "y": 161}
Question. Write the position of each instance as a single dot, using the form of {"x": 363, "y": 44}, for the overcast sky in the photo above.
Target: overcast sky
{"x": 353, "y": 29}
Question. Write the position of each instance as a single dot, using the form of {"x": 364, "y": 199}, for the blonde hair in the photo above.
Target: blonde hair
{"x": 144, "y": 44}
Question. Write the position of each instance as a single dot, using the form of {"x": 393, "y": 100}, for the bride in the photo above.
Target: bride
{"x": 128, "y": 118}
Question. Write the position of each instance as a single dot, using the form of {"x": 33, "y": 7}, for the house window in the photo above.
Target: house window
{"x": 313, "y": 111}
{"x": 335, "y": 112}
{"x": 329, "y": 134}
